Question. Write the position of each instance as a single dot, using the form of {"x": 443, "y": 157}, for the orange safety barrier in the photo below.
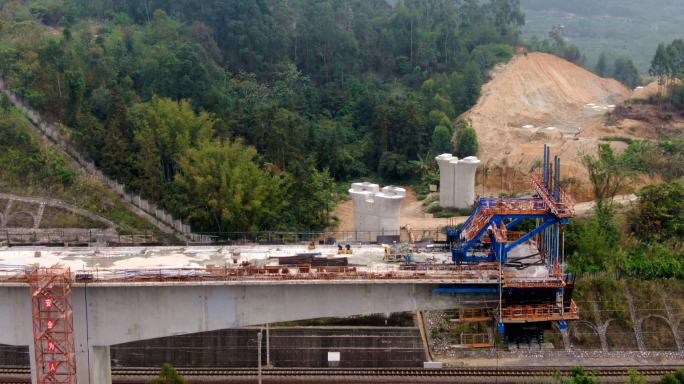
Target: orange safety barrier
{"x": 468, "y": 315}
{"x": 544, "y": 312}
{"x": 565, "y": 207}
{"x": 476, "y": 340}
{"x": 553, "y": 279}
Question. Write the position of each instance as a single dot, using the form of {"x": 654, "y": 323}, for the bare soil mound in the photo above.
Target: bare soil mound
{"x": 650, "y": 89}
{"x": 549, "y": 94}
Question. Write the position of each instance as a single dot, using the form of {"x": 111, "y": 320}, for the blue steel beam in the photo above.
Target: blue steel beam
{"x": 514, "y": 222}
{"x": 496, "y": 218}
{"x": 466, "y": 289}
{"x": 549, "y": 221}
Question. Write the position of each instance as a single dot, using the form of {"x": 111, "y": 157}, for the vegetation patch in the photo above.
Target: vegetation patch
{"x": 54, "y": 217}
{"x": 623, "y": 139}
{"x": 33, "y": 168}
{"x": 658, "y": 334}
{"x": 584, "y": 337}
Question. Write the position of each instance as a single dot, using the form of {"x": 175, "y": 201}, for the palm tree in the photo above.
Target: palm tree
{"x": 423, "y": 165}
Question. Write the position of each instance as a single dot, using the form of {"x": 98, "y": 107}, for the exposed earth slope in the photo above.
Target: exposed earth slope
{"x": 548, "y": 93}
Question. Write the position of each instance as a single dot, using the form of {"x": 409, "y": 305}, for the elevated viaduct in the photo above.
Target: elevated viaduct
{"x": 126, "y": 308}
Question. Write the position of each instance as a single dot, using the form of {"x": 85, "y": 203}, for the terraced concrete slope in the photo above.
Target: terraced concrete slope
{"x": 548, "y": 93}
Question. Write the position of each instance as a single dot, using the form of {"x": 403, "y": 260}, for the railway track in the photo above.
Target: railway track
{"x": 370, "y": 372}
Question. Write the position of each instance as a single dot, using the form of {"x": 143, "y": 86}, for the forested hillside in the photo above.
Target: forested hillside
{"x": 619, "y": 28}
{"x": 242, "y": 114}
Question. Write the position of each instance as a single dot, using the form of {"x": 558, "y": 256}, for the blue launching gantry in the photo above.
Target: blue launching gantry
{"x": 529, "y": 301}
{"x": 488, "y": 224}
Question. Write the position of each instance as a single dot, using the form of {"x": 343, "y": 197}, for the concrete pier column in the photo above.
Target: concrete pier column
{"x": 93, "y": 366}
{"x": 376, "y": 211}
{"x": 100, "y": 365}
{"x": 456, "y": 180}
{"x": 32, "y": 362}
{"x": 465, "y": 182}
{"x": 447, "y": 187}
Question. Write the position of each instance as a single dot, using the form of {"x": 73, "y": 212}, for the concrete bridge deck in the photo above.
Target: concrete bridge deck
{"x": 112, "y": 312}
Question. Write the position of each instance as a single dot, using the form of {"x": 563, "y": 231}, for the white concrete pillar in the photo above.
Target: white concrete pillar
{"x": 457, "y": 180}
{"x": 465, "y": 182}
{"x": 100, "y": 365}
{"x": 93, "y": 363}
{"x": 376, "y": 211}
{"x": 32, "y": 362}
{"x": 447, "y": 188}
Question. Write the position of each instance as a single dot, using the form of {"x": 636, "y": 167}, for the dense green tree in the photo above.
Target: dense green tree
{"x": 467, "y": 144}
{"x": 626, "y": 72}
{"x": 5, "y": 102}
{"x": 659, "y": 212}
{"x": 165, "y": 129}
{"x": 227, "y": 189}
{"x": 441, "y": 140}
{"x": 168, "y": 375}
{"x": 399, "y": 129}
{"x": 659, "y": 65}
{"x": 472, "y": 85}
{"x": 310, "y": 194}
{"x": 602, "y": 65}
{"x": 669, "y": 379}
{"x": 116, "y": 159}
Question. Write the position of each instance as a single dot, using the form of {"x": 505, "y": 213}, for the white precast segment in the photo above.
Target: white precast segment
{"x": 376, "y": 210}
{"x": 457, "y": 180}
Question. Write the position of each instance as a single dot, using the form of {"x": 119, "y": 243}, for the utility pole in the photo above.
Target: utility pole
{"x": 259, "y": 346}
{"x": 268, "y": 350}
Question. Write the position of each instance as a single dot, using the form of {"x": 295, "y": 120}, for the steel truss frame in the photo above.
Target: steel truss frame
{"x": 53, "y": 325}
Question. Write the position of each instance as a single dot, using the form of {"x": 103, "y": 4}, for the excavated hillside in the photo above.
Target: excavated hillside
{"x": 549, "y": 94}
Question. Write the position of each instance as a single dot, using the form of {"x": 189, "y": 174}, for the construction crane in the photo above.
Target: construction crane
{"x": 532, "y": 287}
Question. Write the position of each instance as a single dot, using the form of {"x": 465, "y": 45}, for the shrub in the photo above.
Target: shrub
{"x": 435, "y": 208}
{"x": 444, "y": 214}
{"x": 617, "y": 138}
{"x": 420, "y": 197}
{"x": 431, "y": 200}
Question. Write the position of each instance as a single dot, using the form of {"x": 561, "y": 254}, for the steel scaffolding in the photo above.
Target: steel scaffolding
{"x": 53, "y": 325}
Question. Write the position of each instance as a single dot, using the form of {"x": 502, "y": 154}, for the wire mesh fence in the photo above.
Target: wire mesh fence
{"x": 11, "y": 237}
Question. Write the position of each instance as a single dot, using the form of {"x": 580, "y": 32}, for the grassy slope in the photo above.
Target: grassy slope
{"x": 629, "y": 29}
{"x": 31, "y": 167}
{"x": 611, "y": 299}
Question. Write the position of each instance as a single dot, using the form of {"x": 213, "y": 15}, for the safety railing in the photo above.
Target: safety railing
{"x": 468, "y": 315}
{"x": 561, "y": 207}
{"x": 514, "y": 206}
{"x": 289, "y": 273}
{"x": 474, "y": 340}
{"x": 474, "y": 226}
{"x": 16, "y": 273}
{"x": 543, "y": 312}
{"x": 13, "y": 275}
{"x": 554, "y": 278}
